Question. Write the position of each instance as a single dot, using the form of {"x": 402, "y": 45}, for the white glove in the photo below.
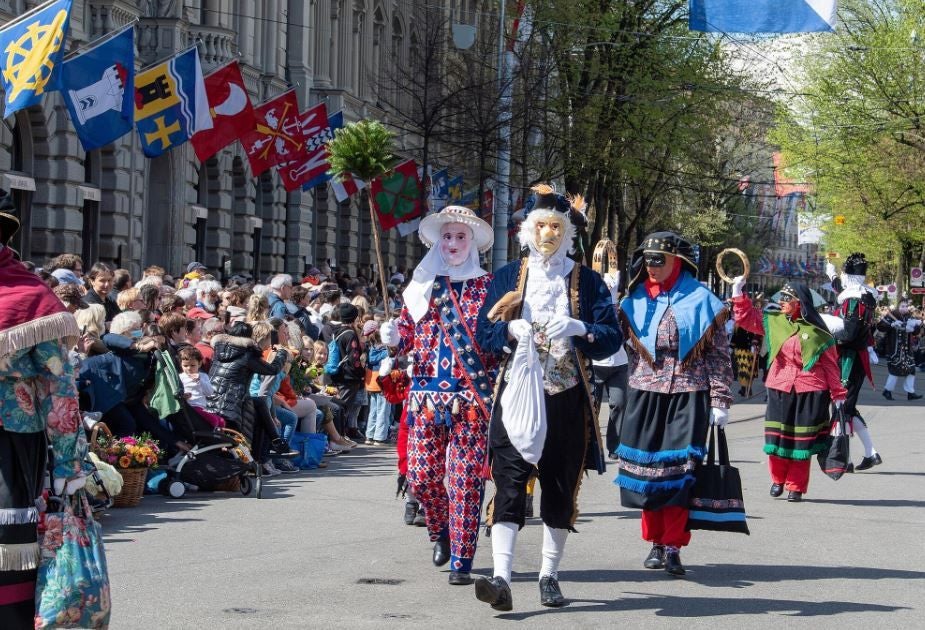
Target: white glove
{"x": 388, "y": 332}
{"x": 874, "y": 359}
{"x": 73, "y": 485}
{"x": 912, "y": 324}
{"x": 385, "y": 366}
{"x": 898, "y": 325}
{"x": 719, "y": 417}
{"x": 738, "y": 283}
{"x": 830, "y": 271}
{"x": 517, "y": 329}
{"x": 612, "y": 279}
{"x": 563, "y": 326}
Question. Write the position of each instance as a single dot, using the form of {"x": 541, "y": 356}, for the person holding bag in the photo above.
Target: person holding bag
{"x": 679, "y": 381}
{"x": 38, "y": 409}
{"x": 803, "y": 379}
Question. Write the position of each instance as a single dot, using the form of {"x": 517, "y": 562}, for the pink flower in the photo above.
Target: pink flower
{"x": 129, "y": 440}
{"x": 24, "y": 398}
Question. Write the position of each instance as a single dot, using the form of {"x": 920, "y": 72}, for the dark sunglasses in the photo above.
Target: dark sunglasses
{"x": 784, "y": 298}
{"x": 654, "y": 260}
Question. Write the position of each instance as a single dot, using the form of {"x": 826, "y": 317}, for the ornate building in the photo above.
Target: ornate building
{"x": 115, "y": 205}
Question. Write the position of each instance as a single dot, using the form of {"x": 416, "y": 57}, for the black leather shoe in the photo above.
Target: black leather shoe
{"x": 777, "y": 489}
{"x": 550, "y": 593}
{"x": 411, "y": 509}
{"x": 794, "y": 497}
{"x": 419, "y": 520}
{"x": 869, "y": 462}
{"x": 914, "y": 396}
{"x": 460, "y": 578}
{"x": 441, "y": 551}
{"x": 656, "y": 558}
{"x": 673, "y": 564}
{"x": 495, "y": 592}
{"x": 888, "y": 394}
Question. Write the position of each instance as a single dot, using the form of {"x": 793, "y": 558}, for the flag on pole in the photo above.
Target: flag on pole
{"x": 230, "y": 108}
{"x": 313, "y": 160}
{"x": 170, "y": 103}
{"x": 31, "y": 48}
{"x": 347, "y": 188}
{"x": 397, "y": 195}
{"x": 455, "y": 190}
{"x": 98, "y": 85}
{"x": 762, "y": 16}
{"x": 277, "y": 137}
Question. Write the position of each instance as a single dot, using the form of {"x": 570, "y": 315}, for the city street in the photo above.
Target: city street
{"x": 328, "y": 549}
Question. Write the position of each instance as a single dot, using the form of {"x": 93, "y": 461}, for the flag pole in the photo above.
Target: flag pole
{"x": 374, "y": 225}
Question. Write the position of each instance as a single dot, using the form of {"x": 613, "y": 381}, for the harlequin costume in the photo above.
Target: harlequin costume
{"x": 679, "y": 381}
{"x": 857, "y": 303}
{"x": 451, "y": 386}
{"x": 38, "y": 407}
{"x": 803, "y": 379}
{"x": 562, "y": 314}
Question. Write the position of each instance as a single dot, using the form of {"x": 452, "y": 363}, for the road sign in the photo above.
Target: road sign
{"x": 916, "y": 277}
{"x": 917, "y": 290}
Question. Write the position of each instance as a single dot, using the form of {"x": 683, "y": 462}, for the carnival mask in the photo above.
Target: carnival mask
{"x": 548, "y": 235}
{"x": 455, "y": 243}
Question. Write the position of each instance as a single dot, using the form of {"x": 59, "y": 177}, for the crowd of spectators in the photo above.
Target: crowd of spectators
{"x": 304, "y": 349}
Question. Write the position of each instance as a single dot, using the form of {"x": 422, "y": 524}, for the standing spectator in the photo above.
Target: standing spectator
{"x": 300, "y": 301}
{"x": 71, "y": 262}
{"x": 130, "y": 300}
{"x": 280, "y": 292}
{"x": 258, "y": 308}
{"x": 210, "y": 328}
{"x": 207, "y": 300}
{"x": 380, "y": 411}
{"x": 100, "y": 277}
{"x": 121, "y": 280}
{"x": 345, "y": 367}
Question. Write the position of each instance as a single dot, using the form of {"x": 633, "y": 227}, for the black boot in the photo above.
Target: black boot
{"x": 550, "y": 593}
{"x": 656, "y": 558}
{"x": 914, "y": 396}
{"x": 495, "y": 592}
{"x": 869, "y": 462}
{"x": 411, "y": 510}
{"x": 777, "y": 489}
{"x": 888, "y": 394}
{"x": 279, "y": 447}
{"x": 673, "y": 562}
{"x": 442, "y": 551}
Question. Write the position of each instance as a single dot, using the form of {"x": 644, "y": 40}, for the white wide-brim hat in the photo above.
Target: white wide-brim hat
{"x": 429, "y": 229}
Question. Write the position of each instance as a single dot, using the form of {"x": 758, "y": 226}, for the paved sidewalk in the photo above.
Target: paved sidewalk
{"x": 328, "y": 549}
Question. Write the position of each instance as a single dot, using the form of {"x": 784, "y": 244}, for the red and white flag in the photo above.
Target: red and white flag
{"x": 313, "y": 161}
{"x": 230, "y": 108}
{"x": 277, "y": 136}
{"x": 347, "y": 188}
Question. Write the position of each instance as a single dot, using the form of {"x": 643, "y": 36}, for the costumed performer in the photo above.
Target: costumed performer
{"x": 899, "y": 325}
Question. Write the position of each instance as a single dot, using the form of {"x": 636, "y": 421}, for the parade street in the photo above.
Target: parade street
{"x": 330, "y": 551}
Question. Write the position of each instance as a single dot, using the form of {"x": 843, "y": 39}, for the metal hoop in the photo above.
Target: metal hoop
{"x": 719, "y": 263}
{"x": 605, "y": 251}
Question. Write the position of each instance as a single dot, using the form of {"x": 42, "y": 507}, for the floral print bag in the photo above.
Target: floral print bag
{"x": 72, "y": 590}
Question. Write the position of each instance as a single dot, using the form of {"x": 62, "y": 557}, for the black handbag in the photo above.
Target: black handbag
{"x": 836, "y": 458}
{"x": 716, "y": 498}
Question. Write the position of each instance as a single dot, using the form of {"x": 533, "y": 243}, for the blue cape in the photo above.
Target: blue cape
{"x": 694, "y": 307}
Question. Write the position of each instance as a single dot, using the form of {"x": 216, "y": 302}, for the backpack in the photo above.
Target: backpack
{"x": 335, "y": 365}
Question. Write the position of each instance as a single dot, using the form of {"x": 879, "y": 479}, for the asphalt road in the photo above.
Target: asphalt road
{"x": 328, "y": 549}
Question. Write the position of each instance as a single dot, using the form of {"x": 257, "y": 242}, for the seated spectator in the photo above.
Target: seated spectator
{"x": 100, "y": 280}
{"x": 300, "y": 301}
{"x": 173, "y": 327}
{"x": 279, "y": 295}
{"x": 196, "y": 385}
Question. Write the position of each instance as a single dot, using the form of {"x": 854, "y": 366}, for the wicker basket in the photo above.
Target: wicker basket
{"x": 133, "y": 487}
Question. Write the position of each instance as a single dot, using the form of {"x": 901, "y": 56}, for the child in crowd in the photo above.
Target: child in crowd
{"x": 196, "y": 385}
{"x": 380, "y": 411}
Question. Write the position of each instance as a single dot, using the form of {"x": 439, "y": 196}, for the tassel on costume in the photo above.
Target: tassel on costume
{"x": 456, "y": 406}
{"x": 19, "y": 557}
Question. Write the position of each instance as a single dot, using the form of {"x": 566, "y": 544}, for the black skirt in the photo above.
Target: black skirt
{"x": 662, "y": 442}
{"x": 796, "y": 426}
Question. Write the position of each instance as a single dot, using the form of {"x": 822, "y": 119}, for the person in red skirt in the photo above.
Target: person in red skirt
{"x": 804, "y": 378}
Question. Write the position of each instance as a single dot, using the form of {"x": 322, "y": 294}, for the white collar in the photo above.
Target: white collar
{"x": 417, "y": 293}
{"x": 556, "y": 264}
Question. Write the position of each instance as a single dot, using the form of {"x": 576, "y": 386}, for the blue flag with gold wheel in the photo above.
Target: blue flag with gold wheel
{"x": 171, "y": 103}
{"x": 31, "y": 48}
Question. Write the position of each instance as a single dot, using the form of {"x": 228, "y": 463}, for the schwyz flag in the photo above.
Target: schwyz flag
{"x": 31, "y": 48}
{"x": 98, "y": 86}
{"x": 313, "y": 160}
{"x": 170, "y": 103}
{"x": 277, "y": 136}
{"x": 762, "y": 16}
{"x": 397, "y": 195}
{"x": 230, "y": 108}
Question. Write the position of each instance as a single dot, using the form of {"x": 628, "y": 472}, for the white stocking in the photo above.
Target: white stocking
{"x": 553, "y": 548}
{"x": 909, "y": 385}
{"x": 503, "y": 538}
{"x": 860, "y": 430}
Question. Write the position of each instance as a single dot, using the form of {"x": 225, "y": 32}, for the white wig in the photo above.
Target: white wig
{"x": 527, "y": 234}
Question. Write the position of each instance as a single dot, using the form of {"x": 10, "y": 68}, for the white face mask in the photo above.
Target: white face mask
{"x": 455, "y": 243}
{"x": 548, "y": 235}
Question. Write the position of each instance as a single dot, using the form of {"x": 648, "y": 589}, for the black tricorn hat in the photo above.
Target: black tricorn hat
{"x": 855, "y": 265}
{"x": 665, "y": 243}
{"x": 9, "y": 224}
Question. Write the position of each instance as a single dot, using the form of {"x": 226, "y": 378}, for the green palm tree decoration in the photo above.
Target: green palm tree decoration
{"x": 364, "y": 150}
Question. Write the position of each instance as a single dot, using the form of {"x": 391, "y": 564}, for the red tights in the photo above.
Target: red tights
{"x": 793, "y": 473}
{"x": 666, "y": 526}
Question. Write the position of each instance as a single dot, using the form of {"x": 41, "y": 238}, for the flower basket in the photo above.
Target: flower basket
{"x": 133, "y": 487}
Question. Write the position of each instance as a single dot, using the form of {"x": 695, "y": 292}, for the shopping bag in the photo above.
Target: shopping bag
{"x": 834, "y": 460}
{"x": 310, "y": 447}
{"x": 523, "y": 402}
{"x": 72, "y": 587}
{"x": 716, "y": 497}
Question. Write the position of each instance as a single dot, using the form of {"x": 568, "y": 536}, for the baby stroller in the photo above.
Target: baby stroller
{"x": 217, "y": 456}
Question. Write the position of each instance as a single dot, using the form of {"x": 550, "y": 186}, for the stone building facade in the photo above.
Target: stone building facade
{"x": 115, "y": 205}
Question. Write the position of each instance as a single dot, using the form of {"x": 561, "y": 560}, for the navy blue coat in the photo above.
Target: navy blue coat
{"x": 101, "y": 379}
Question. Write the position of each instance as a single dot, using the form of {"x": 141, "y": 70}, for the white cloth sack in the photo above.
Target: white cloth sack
{"x": 523, "y": 402}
